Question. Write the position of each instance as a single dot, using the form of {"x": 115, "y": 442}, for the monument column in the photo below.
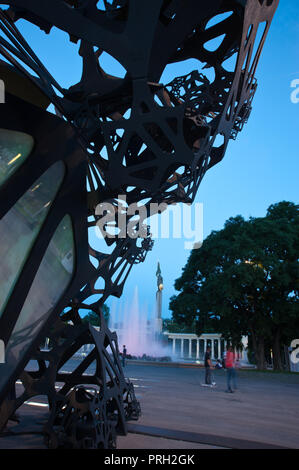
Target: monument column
{"x": 197, "y": 349}
{"x": 173, "y": 346}
{"x": 212, "y": 355}
{"x": 190, "y": 347}
{"x": 158, "y": 326}
{"x": 219, "y": 348}
{"x": 182, "y": 347}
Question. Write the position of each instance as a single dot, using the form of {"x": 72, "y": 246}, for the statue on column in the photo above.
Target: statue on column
{"x": 159, "y": 299}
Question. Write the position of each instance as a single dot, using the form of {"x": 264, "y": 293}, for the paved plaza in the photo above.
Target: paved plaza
{"x": 178, "y": 413}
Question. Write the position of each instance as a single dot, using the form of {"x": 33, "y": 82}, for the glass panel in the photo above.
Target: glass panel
{"x": 51, "y": 280}
{"x": 14, "y": 149}
{"x": 21, "y": 225}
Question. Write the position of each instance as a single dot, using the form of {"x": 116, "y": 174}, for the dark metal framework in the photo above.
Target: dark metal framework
{"x": 130, "y": 136}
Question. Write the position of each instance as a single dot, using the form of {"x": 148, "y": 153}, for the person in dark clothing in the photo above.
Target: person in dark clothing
{"x": 124, "y": 355}
{"x": 208, "y": 365}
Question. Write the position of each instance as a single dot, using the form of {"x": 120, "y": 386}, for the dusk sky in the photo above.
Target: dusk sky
{"x": 260, "y": 168}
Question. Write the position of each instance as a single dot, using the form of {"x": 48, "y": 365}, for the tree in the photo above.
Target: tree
{"x": 94, "y": 319}
{"x": 244, "y": 281}
{"x": 173, "y": 327}
{"x": 186, "y": 309}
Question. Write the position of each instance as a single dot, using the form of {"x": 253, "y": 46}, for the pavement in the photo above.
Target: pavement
{"x": 179, "y": 413}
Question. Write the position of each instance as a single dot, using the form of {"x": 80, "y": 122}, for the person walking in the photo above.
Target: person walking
{"x": 230, "y": 365}
{"x": 208, "y": 365}
{"x": 124, "y": 355}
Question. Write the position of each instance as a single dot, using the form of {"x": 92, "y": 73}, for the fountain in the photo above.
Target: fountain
{"x": 138, "y": 330}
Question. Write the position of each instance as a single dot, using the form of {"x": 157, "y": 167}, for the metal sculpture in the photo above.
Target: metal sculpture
{"x": 131, "y": 137}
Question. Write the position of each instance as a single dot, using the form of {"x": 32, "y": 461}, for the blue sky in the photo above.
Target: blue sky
{"x": 260, "y": 167}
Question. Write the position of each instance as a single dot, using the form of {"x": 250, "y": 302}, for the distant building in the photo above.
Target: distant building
{"x": 191, "y": 346}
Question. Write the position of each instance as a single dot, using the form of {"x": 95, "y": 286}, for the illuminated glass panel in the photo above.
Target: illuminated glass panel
{"x": 52, "y": 278}
{"x": 21, "y": 225}
{"x": 14, "y": 149}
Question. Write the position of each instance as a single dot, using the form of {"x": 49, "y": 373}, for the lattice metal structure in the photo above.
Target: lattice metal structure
{"x": 133, "y": 137}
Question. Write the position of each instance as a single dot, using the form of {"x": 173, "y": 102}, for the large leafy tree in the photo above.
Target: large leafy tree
{"x": 244, "y": 281}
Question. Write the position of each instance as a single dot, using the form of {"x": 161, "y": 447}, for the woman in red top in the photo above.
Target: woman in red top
{"x": 230, "y": 362}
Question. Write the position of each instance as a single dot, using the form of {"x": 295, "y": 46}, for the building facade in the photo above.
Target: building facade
{"x": 191, "y": 346}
